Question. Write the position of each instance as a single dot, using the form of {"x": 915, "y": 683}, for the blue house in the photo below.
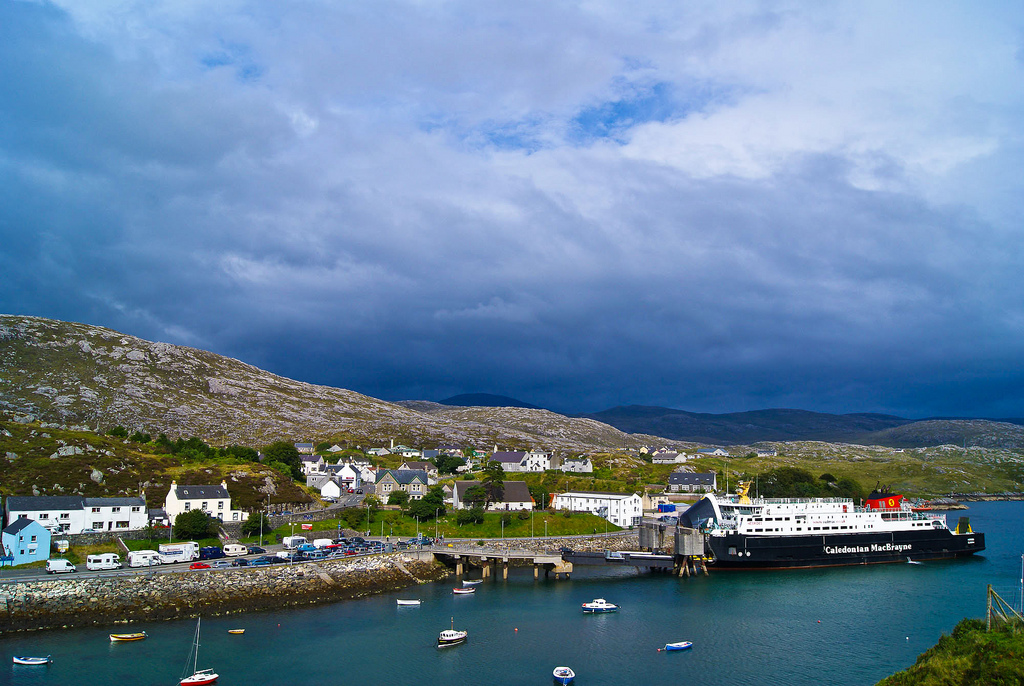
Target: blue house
{"x": 26, "y": 540}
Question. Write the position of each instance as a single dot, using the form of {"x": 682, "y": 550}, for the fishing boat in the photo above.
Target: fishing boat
{"x": 463, "y": 591}
{"x": 199, "y": 677}
{"x": 451, "y": 637}
{"x": 472, "y": 582}
{"x": 598, "y": 605}
{"x": 408, "y": 602}
{"x": 236, "y": 631}
{"x": 681, "y": 645}
{"x": 138, "y": 636}
{"x": 25, "y": 660}
{"x": 563, "y": 675}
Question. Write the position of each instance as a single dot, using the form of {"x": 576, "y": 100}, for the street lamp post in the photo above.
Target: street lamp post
{"x": 436, "y": 510}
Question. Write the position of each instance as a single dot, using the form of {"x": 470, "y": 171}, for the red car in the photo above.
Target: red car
{"x": 199, "y": 565}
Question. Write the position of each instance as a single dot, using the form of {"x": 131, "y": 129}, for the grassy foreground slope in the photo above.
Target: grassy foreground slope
{"x": 968, "y": 656}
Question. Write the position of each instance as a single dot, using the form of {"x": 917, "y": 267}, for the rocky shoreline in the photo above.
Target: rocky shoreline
{"x": 67, "y": 602}
{"x": 121, "y": 598}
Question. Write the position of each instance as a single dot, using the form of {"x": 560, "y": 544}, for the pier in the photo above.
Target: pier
{"x": 663, "y": 547}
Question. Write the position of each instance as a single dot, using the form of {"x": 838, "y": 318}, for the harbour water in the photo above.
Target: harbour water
{"x": 799, "y": 627}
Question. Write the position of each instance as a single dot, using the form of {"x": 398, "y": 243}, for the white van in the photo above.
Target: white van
{"x": 322, "y": 542}
{"x": 143, "y": 558}
{"x": 292, "y": 542}
{"x": 235, "y": 549}
{"x": 59, "y": 567}
{"x": 103, "y": 561}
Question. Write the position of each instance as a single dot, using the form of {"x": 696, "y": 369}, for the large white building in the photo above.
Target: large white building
{"x": 213, "y": 500}
{"x": 73, "y": 514}
{"x": 621, "y": 509}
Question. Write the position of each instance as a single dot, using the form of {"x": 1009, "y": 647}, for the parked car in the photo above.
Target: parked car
{"x": 219, "y": 564}
{"x": 260, "y": 562}
{"x": 240, "y": 562}
{"x": 211, "y": 552}
{"x": 359, "y": 491}
{"x": 256, "y": 550}
{"x": 265, "y": 560}
{"x": 351, "y": 490}
{"x": 422, "y": 540}
{"x": 199, "y": 565}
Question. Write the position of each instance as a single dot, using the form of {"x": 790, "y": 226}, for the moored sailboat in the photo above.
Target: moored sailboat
{"x": 199, "y": 677}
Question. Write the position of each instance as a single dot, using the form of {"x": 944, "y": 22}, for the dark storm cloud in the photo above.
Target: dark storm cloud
{"x": 702, "y": 208}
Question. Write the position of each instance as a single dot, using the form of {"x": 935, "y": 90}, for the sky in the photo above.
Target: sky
{"x": 708, "y": 206}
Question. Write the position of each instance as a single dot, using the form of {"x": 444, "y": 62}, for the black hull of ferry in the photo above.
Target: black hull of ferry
{"x": 741, "y": 551}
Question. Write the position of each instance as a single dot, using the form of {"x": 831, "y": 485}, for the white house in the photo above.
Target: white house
{"x": 769, "y": 452}
{"x": 213, "y": 500}
{"x": 538, "y": 461}
{"x": 510, "y": 461}
{"x": 406, "y": 451}
{"x": 621, "y": 509}
{"x": 74, "y": 514}
{"x": 577, "y": 465}
{"x": 712, "y": 452}
{"x": 304, "y": 448}
{"x": 311, "y": 464}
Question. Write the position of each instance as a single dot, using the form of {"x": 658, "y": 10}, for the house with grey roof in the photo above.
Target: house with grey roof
{"x": 577, "y": 465}
{"x": 690, "y": 482}
{"x": 25, "y": 540}
{"x": 412, "y": 481}
{"x": 515, "y": 496}
{"x": 213, "y": 500}
{"x": 73, "y": 514}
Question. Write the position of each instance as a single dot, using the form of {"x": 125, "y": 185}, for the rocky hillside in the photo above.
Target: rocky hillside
{"x": 68, "y": 373}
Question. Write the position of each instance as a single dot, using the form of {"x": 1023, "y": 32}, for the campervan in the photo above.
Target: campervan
{"x": 103, "y": 561}
{"x": 59, "y": 566}
{"x": 322, "y": 542}
{"x": 143, "y": 558}
{"x": 235, "y": 549}
{"x": 178, "y": 552}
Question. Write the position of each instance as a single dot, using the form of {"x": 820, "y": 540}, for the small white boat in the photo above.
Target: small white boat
{"x": 563, "y": 675}
{"x": 474, "y": 582}
{"x": 463, "y": 591}
{"x": 407, "y": 602}
{"x": 912, "y": 562}
{"x": 25, "y": 660}
{"x": 451, "y": 637}
{"x": 681, "y": 645}
{"x": 598, "y": 605}
{"x": 236, "y": 631}
{"x": 138, "y": 636}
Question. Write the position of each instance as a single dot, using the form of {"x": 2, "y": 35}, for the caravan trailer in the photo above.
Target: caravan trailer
{"x": 143, "y": 558}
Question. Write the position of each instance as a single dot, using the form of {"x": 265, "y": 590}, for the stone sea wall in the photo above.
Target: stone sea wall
{"x": 69, "y": 601}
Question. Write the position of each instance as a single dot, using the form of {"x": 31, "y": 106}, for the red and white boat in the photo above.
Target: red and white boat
{"x": 199, "y": 677}
{"x": 463, "y": 591}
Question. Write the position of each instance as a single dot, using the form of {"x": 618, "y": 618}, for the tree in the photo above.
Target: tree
{"x": 426, "y": 507}
{"x": 474, "y": 515}
{"x": 323, "y": 447}
{"x": 827, "y": 478}
{"x": 118, "y": 432}
{"x": 475, "y": 494}
{"x": 448, "y": 464}
{"x": 285, "y": 453}
{"x": 252, "y": 525}
{"x": 398, "y": 497}
{"x": 194, "y": 524}
{"x": 139, "y": 437}
{"x": 494, "y": 481}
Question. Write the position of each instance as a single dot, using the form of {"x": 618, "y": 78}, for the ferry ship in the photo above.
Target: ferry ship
{"x": 747, "y": 533}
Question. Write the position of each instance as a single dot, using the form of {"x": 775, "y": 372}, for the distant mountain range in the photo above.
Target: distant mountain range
{"x": 70, "y": 373}
{"x": 485, "y": 400}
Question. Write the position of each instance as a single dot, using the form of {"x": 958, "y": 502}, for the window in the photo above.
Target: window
{"x": 98, "y": 526}
{"x": 220, "y": 505}
{"x": 65, "y": 515}
{"x": 205, "y": 504}
{"x": 33, "y": 539}
{"x": 188, "y": 506}
{"x": 95, "y": 509}
{"x": 122, "y": 525}
{"x": 42, "y": 515}
{"x": 136, "y": 508}
{"x": 115, "y": 509}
